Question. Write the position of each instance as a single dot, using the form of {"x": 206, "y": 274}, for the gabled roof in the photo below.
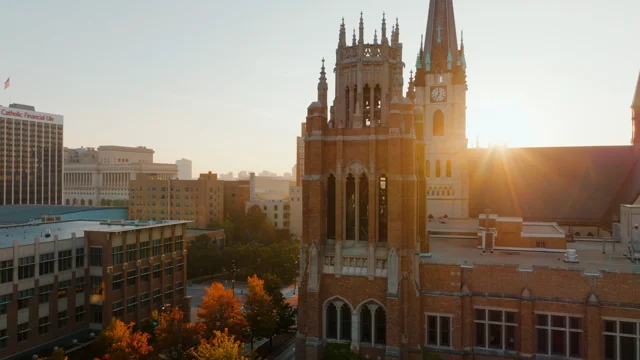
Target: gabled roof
{"x": 636, "y": 96}
{"x": 572, "y": 184}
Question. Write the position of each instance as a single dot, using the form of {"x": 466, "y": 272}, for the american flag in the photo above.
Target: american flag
{"x": 7, "y": 83}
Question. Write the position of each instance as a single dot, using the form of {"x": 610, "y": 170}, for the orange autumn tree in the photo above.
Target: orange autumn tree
{"x": 259, "y": 313}
{"x": 221, "y": 347}
{"x": 122, "y": 343}
{"x": 220, "y": 310}
{"x": 174, "y": 337}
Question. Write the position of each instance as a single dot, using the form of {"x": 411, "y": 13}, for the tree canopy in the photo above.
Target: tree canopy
{"x": 221, "y": 311}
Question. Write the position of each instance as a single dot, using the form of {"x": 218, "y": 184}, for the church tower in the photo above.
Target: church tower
{"x": 441, "y": 84}
{"x": 364, "y": 217}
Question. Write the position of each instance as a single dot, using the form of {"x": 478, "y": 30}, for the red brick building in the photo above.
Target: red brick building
{"x": 373, "y": 278}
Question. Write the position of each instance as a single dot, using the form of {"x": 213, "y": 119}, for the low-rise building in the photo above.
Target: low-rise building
{"x": 62, "y": 278}
{"x": 295, "y": 200}
{"x": 99, "y": 177}
{"x": 278, "y": 212}
{"x": 200, "y": 201}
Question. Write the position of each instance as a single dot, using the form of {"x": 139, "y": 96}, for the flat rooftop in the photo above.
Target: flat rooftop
{"x": 26, "y": 233}
{"x": 542, "y": 229}
{"x": 458, "y": 251}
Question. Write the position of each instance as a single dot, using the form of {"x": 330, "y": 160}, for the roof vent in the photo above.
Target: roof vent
{"x": 571, "y": 256}
{"x": 48, "y": 233}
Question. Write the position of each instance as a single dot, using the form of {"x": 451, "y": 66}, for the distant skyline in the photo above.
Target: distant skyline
{"x": 227, "y": 86}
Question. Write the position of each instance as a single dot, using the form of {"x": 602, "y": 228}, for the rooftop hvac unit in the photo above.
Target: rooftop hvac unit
{"x": 571, "y": 256}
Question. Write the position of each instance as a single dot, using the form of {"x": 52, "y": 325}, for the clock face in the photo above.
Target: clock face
{"x": 438, "y": 94}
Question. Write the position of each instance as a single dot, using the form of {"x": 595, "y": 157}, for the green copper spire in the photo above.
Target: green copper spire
{"x": 418, "y": 65}
{"x": 427, "y": 62}
{"x": 449, "y": 60}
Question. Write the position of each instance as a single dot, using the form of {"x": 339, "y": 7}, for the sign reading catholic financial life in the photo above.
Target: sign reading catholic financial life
{"x": 19, "y": 114}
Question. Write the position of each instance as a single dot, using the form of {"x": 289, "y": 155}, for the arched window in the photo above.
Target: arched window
{"x": 382, "y": 210}
{"x": 448, "y": 170}
{"x": 438, "y": 123}
{"x": 373, "y": 324}
{"x": 90, "y": 202}
{"x": 337, "y": 315}
{"x": 351, "y": 208}
{"x": 437, "y": 168}
{"x": 66, "y": 201}
{"x": 577, "y": 233}
{"x": 427, "y": 169}
{"x": 367, "y": 106}
{"x": 331, "y": 207}
{"x": 82, "y": 202}
{"x": 589, "y": 233}
{"x": 363, "y": 208}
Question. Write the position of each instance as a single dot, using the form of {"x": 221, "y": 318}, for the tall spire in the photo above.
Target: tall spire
{"x": 342, "y": 41}
{"x": 441, "y": 35}
{"x": 384, "y": 30}
{"x": 353, "y": 41}
{"x": 323, "y": 87}
{"x": 361, "y": 34}
{"x": 375, "y": 36}
{"x": 397, "y": 32}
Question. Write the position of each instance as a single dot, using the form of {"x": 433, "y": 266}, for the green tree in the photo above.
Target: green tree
{"x": 259, "y": 312}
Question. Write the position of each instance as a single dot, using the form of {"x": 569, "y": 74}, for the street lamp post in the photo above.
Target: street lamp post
{"x": 233, "y": 277}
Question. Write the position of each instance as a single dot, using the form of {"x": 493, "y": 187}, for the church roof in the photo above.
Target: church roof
{"x": 636, "y": 96}
{"x": 564, "y": 184}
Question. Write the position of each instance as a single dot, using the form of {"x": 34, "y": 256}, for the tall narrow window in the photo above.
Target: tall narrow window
{"x": 448, "y": 168}
{"x": 366, "y": 103}
{"x": 347, "y": 106}
{"x": 345, "y": 322}
{"x": 427, "y": 169}
{"x": 377, "y": 105}
{"x": 331, "y": 207}
{"x": 437, "y": 168}
{"x": 381, "y": 326}
{"x": 363, "y": 208}
{"x": 382, "y": 213}
{"x": 332, "y": 322}
{"x": 351, "y": 208}
{"x": 365, "y": 324}
{"x": 438, "y": 123}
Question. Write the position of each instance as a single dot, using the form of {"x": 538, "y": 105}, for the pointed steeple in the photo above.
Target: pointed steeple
{"x": 342, "y": 41}
{"x": 361, "y": 33}
{"x": 441, "y": 36}
{"x": 353, "y": 41}
{"x": 397, "y": 32}
{"x": 384, "y": 30}
{"x": 410, "y": 89}
{"x": 323, "y": 87}
{"x": 375, "y": 36}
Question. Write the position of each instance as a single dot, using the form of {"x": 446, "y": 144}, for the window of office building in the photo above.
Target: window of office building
{"x": 23, "y": 298}
{"x": 168, "y": 245}
{"x": 168, "y": 293}
{"x": 144, "y": 300}
{"x": 5, "y": 300}
{"x": 559, "y": 335}
{"x": 157, "y": 271}
{"x": 96, "y": 285}
{"x": 621, "y": 339}
{"x": 79, "y": 313}
{"x": 438, "y": 330}
{"x": 6, "y": 271}
{"x": 62, "y": 288}
{"x": 64, "y": 260}
{"x": 43, "y": 325}
{"x": 23, "y": 332}
{"x": 495, "y": 329}
{"x": 168, "y": 268}
{"x": 63, "y": 318}
{"x": 144, "y": 275}
{"x": 157, "y": 247}
{"x": 79, "y": 257}
{"x": 46, "y": 265}
{"x": 44, "y": 292}
{"x": 132, "y": 305}
{"x": 131, "y": 252}
{"x": 116, "y": 255}
{"x": 117, "y": 281}
{"x": 96, "y": 256}
{"x": 144, "y": 250}
{"x": 26, "y": 267}
{"x": 118, "y": 309}
{"x": 132, "y": 276}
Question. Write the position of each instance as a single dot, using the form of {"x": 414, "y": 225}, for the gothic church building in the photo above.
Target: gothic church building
{"x": 373, "y": 282}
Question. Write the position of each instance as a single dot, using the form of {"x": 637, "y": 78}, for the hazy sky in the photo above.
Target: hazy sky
{"x": 227, "y": 83}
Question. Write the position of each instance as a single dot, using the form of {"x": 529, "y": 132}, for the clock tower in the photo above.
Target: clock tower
{"x": 441, "y": 84}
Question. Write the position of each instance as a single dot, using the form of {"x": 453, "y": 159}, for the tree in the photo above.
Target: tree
{"x": 221, "y": 347}
{"x": 220, "y": 310}
{"x": 259, "y": 312}
{"x": 121, "y": 343}
{"x": 285, "y": 313}
{"x": 175, "y": 338}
